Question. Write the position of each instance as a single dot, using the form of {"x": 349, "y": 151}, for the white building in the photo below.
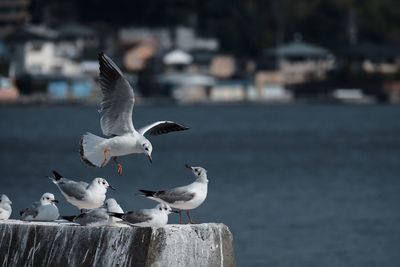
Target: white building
{"x": 50, "y": 58}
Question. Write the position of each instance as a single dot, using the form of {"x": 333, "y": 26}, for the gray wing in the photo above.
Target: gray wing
{"x": 174, "y": 195}
{"x": 31, "y": 211}
{"x": 136, "y": 217}
{"x": 118, "y": 99}
{"x": 92, "y": 216}
{"x": 162, "y": 127}
{"x": 73, "y": 189}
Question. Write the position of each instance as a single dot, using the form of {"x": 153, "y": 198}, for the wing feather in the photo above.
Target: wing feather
{"x": 118, "y": 99}
{"x": 136, "y": 217}
{"x": 162, "y": 127}
{"x": 174, "y": 195}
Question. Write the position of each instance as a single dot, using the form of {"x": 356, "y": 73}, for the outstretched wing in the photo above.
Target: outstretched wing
{"x": 162, "y": 127}
{"x": 118, "y": 99}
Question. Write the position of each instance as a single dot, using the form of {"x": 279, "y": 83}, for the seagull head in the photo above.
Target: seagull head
{"x": 102, "y": 183}
{"x": 199, "y": 172}
{"x": 164, "y": 208}
{"x": 147, "y": 148}
{"x": 48, "y": 198}
{"x": 4, "y": 200}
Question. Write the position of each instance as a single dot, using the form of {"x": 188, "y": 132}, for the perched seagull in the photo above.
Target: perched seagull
{"x": 80, "y": 194}
{"x": 116, "y": 121}
{"x": 94, "y": 217}
{"x": 5, "y": 207}
{"x": 156, "y": 217}
{"x": 185, "y": 197}
{"x": 99, "y": 216}
{"x": 112, "y": 206}
{"x": 43, "y": 210}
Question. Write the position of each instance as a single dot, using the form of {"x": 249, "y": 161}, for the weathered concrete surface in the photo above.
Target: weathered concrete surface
{"x": 53, "y": 244}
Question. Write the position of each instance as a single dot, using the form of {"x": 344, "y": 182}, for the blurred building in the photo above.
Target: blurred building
{"x": 44, "y": 58}
{"x": 371, "y": 58}
{"x": 13, "y": 15}
{"x": 300, "y": 62}
{"x": 8, "y": 92}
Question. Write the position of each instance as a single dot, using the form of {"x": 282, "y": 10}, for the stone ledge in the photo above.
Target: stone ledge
{"x": 64, "y": 244}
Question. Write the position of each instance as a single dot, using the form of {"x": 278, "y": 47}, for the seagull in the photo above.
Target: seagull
{"x": 112, "y": 206}
{"x": 80, "y": 194}
{"x": 99, "y": 216}
{"x": 43, "y": 210}
{"x": 5, "y": 207}
{"x": 185, "y": 197}
{"x": 156, "y": 217}
{"x": 93, "y": 217}
{"x": 116, "y": 121}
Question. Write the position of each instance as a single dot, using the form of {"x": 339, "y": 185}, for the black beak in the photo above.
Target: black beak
{"x": 150, "y": 158}
{"x": 55, "y": 201}
{"x": 109, "y": 186}
{"x": 188, "y": 166}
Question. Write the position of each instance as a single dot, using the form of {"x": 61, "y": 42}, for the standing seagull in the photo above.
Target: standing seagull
{"x": 185, "y": 197}
{"x": 5, "y": 207}
{"x": 80, "y": 194}
{"x": 157, "y": 217}
{"x": 116, "y": 121}
{"x": 43, "y": 210}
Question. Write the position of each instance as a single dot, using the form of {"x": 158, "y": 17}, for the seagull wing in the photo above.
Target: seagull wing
{"x": 92, "y": 216}
{"x": 162, "y": 127}
{"x": 73, "y": 189}
{"x": 31, "y": 211}
{"x": 175, "y": 195}
{"x": 118, "y": 99}
{"x": 136, "y": 217}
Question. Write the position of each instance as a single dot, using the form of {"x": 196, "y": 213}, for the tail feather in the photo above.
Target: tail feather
{"x": 56, "y": 175}
{"x": 147, "y": 193}
{"x": 115, "y": 214}
{"x": 69, "y": 218}
{"x": 91, "y": 148}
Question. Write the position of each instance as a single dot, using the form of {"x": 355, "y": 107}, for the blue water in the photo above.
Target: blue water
{"x": 298, "y": 185}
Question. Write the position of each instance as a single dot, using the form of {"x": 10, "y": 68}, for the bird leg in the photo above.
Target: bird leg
{"x": 190, "y": 219}
{"x": 180, "y": 217}
{"x": 119, "y": 165}
{"x": 106, "y": 153}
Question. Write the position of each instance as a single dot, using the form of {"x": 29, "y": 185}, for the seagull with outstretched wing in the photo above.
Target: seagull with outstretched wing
{"x": 116, "y": 121}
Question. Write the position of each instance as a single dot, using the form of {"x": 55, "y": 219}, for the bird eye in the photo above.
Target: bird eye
{"x": 160, "y": 208}
{"x": 104, "y": 182}
{"x": 47, "y": 198}
{"x": 165, "y": 208}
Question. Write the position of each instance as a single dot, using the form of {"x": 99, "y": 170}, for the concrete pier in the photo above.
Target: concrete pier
{"x": 61, "y": 244}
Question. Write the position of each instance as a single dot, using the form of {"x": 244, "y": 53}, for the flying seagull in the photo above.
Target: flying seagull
{"x": 185, "y": 197}
{"x": 5, "y": 207}
{"x": 116, "y": 122}
{"x": 156, "y": 217}
{"x": 80, "y": 194}
{"x": 43, "y": 210}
